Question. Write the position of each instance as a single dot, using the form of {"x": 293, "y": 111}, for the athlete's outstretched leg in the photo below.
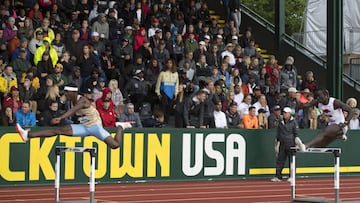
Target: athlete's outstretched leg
{"x": 115, "y": 142}
{"x": 26, "y": 134}
{"x": 326, "y": 136}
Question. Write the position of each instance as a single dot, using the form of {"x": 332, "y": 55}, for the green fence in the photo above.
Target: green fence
{"x": 163, "y": 155}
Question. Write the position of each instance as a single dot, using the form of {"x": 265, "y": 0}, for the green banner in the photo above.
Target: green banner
{"x": 164, "y": 154}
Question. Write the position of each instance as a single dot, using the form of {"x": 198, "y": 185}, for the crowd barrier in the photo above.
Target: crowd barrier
{"x": 163, "y": 154}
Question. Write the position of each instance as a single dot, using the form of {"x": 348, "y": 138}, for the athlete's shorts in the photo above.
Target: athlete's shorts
{"x": 95, "y": 130}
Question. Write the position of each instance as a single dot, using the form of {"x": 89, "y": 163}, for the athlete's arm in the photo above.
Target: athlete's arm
{"x": 339, "y": 104}
{"x": 82, "y": 103}
{"x": 313, "y": 102}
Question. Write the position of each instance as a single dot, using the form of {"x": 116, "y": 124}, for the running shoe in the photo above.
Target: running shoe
{"x": 23, "y": 133}
{"x": 124, "y": 125}
{"x": 275, "y": 179}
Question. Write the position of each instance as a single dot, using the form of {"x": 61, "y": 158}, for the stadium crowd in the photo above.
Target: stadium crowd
{"x": 164, "y": 63}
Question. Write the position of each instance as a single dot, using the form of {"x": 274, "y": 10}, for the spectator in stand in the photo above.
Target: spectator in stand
{"x": 101, "y": 26}
{"x": 161, "y": 54}
{"x": 131, "y": 116}
{"x": 213, "y": 58}
{"x": 262, "y": 104}
{"x": 146, "y": 51}
{"x": 44, "y": 68}
{"x": 74, "y": 78}
{"x": 109, "y": 64}
{"x": 233, "y": 117}
{"x": 36, "y": 42}
{"x": 250, "y": 120}
{"x": 209, "y": 105}
{"x": 275, "y": 117}
{"x": 12, "y": 99}
{"x": 23, "y": 45}
{"x": 10, "y": 31}
{"x": 189, "y": 57}
{"x": 85, "y": 31}
{"x": 107, "y": 114}
{"x": 58, "y": 44}
{"x": 74, "y": 45}
{"x": 245, "y": 39}
{"x": 243, "y": 107}
{"x": 47, "y": 31}
{"x": 352, "y": 102}
{"x": 272, "y": 97}
{"x": 230, "y": 96}
{"x": 288, "y": 77}
{"x": 259, "y": 57}
{"x": 87, "y": 63}
{"x": 194, "y": 110}
{"x": 53, "y": 111}
{"x": 25, "y": 117}
{"x": 219, "y": 116}
{"x": 311, "y": 121}
{"x": 35, "y": 14}
{"x": 8, "y": 117}
{"x": 139, "y": 38}
{"x": 235, "y": 10}
{"x": 354, "y": 123}
{"x": 21, "y": 65}
{"x": 250, "y": 50}
{"x": 129, "y": 35}
{"x": 309, "y": 82}
{"x": 228, "y": 52}
{"x": 116, "y": 95}
{"x": 156, "y": 121}
{"x": 290, "y": 100}
{"x": 262, "y": 119}
{"x": 124, "y": 54}
{"x": 46, "y": 48}
{"x": 167, "y": 87}
{"x": 59, "y": 79}
{"x": 28, "y": 93}
{"x": 136, "y": 89}
{"x": 202, "y": 50}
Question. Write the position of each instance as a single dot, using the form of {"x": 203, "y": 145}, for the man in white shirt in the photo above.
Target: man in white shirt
{"x": 219, "y": 116}
{"x": 228, "y": 52}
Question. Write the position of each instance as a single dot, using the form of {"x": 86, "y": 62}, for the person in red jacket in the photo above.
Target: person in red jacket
{"x": 106, "y": 93}
{"x": 107, "y": 114}
{"x": 139, "y": 38}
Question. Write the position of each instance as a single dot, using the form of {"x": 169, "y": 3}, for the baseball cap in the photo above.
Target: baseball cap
{"x": 206, "y": 37}
{"x": 287, "y": 110}
{"x": 262, "y": 110}
{"x": 202, "y": 43}
{"x": 95, "y": 34}
{"x": 219, "y": 36}
{"x": 138, "y": 71}
{"x": 128, "y": 28}
{"x": 276, "y": 107}
{"x": 234, "y": 38}
{"x": 292, "y": 89}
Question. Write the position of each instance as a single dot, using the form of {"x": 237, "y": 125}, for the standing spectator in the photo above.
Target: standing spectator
{"x": 131, "y": 116}
{"x": 101, "y": 26}
{"x": 74, "y": 45}
{"x": 87, "y": 63}
{"x": 288, "y": 77}
{"x": 139, "y": 38}
{"x": 167, "y": 87}
{"x": 290, "y": 100}
{"x": 194, "y": 110}
{"x": 107, "y": 114}
{"x": 275, "y": 117}
{"x": 287, "y": 132}
{"x": 250, "y": 120}
{"x": 233, "y": 117}
{"x": 109, "y": 63}
{"x": 136, "y": 89}
{"x": 235, "y": 9}
{"x": 46, "y": 30}
{"x": 48, "y": 49}
{"x": 25, "y": 117}
{"x": 124, "y": 54}
{"x": 309, "y": 82}
{"x": 35, "y": 14}
{"x": 58, "y": 44}
{"x": 161, "y": 54}
{"x": 219, "y": 116}
{"x": 213, "y": 58}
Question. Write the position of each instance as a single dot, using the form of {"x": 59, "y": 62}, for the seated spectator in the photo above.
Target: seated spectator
{"x": 131, "y": 116}
{"x": 194, "y": 110}
{"x": 28, "y": 93}
{"x": 8, "y": 119}
{"x": 21, "y": 65}
{"x": 107, "y": 114}
{"x": 354, "y": 122}
{"x": 311, "y": 121}
{"x": 219, "y": 116}
{"x": 250, "y": 120}
{"x": 46, "y": 47}
{"x": 156, "y": 121}
{"x": 7, "y": 80}
{"x": 233, "y": 117}
{"x": 12, "y": 100}
{"x": 244, "y": 106}
{"x": 25, "y": 117}
{"x": 53, "y": 111}
{"x": 106, "y": 95}
{"x": 309, "y": 82}
{"x": 59, "y": 79}
{"x": 352, "y": 102}
{"x": 263, "y": 119}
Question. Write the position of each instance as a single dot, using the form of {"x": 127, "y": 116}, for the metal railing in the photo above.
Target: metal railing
{"x": 297, "y": 42}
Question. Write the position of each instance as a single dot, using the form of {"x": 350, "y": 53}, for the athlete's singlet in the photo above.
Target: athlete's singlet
{"x": 89, "y": 116}
{"x": 335, "y": 116}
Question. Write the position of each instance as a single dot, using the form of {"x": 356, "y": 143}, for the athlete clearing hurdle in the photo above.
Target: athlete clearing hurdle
{"x": 337, "y": 125}
{"x": 90, "y": 122}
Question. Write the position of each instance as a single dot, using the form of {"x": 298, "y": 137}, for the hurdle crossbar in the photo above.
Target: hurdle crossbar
{"x": 58, "y": 151}
{"x": 336, "y": 152}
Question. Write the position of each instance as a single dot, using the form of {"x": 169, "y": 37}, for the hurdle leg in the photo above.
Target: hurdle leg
{"x": 292, "y": 173}
{"x": 92, "y": 177}
{"x": 337, "y": 176}
{"x": 57, "y": 177}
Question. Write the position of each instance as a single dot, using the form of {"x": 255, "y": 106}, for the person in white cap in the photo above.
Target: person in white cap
{"x": 90, "y": 122}
{"x": 287, "y": 134}
{"x": 338, "y": 124}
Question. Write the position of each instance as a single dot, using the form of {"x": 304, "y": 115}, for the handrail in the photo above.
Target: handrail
{"x": 297, "y": 45}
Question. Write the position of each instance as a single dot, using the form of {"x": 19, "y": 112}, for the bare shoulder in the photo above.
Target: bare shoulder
{"x": 338, "y": 104}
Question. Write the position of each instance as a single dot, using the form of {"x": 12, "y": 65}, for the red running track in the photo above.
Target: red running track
{"x": 243, "y": 191}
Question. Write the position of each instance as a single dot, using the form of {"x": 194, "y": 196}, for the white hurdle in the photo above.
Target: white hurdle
{"x": 58, "y": 151}
{"x": 336, "y": 152}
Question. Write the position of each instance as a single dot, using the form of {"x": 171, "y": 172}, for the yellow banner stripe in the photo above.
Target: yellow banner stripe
{"x": 267, "y": 171}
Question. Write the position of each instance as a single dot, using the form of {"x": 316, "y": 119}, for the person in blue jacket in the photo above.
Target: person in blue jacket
{"x": 25, "y": 117}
